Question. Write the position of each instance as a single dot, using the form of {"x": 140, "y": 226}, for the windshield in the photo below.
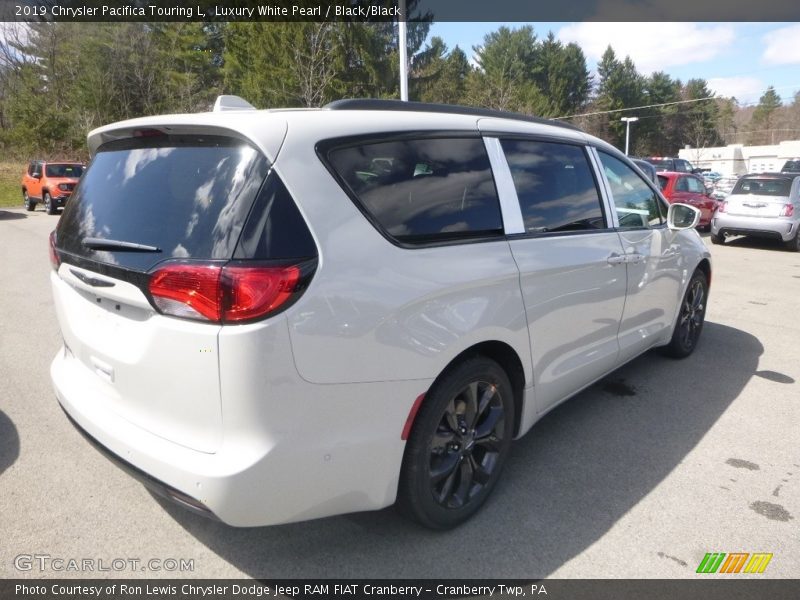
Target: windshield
{"x": 66, "y": 170}
{"x": 186, "y": 196}
{"x": 763, "y": 187}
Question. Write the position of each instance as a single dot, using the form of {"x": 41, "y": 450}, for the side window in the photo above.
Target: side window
{"x": 422, "y": 190}
{"x": 637, "y": 204}
{"x": 695, "y": 185}
{"x": 682, "y": 185}
{"x": 683, "y": 166}
{"x": 555, "y": 186}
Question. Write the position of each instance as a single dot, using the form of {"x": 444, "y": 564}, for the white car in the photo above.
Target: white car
{"x": 272, "y": 316}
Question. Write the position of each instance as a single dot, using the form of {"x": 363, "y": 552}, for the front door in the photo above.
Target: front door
{"x": 571, "y": 263}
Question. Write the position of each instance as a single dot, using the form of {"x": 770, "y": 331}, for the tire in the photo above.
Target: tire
{"x": 454, "y": 458}
{"x": 29, "y": 204}
{"x": 48, "y": 204}
{"x": 691, "y": 317}
{"x": 793, "y": 245}
{"x": 717, "y": 239}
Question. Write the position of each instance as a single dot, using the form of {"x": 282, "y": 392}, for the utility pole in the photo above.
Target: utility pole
{"x": 401, "y": 31}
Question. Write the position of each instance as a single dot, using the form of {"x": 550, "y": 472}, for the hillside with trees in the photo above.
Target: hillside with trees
{"x": 59, "y": 80}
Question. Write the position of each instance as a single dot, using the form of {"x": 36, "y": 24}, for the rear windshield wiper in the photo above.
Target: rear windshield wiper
{"x": 105, "y": 244}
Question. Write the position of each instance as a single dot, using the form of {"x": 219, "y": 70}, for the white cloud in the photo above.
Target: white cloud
{"x": 651, "y": 46}
{"x": 745, "y": 89}
{"x": 783, "y": 46}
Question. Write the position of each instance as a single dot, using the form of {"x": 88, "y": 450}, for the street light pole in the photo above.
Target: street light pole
{"x": 401, "y": 34}
{"x": 628, "y": 121}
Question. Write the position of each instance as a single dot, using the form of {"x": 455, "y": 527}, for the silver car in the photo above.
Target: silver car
{"x": 764, "y": 205}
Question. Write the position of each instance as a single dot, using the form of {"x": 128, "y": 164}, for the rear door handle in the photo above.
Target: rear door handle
{"x": 617, "y": 259}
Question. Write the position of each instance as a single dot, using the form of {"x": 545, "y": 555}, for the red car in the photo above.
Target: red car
{"x": 688, "y": 189}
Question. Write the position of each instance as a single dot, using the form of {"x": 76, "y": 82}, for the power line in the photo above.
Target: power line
{"x": 606, "y": 112}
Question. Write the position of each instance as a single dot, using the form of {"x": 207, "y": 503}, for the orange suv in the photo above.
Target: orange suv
{"x": 50, "y": 183}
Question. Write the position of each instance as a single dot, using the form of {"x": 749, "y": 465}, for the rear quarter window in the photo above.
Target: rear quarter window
{"x": 420, "y": 190}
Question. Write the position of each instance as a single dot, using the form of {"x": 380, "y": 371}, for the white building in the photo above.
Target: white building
{"x": 738, "y": 159}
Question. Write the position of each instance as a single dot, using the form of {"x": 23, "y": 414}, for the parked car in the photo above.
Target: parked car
{"x": 710, "y": 178}
{"x": 679, "y": 165}
{"x": 723, "y": 187}
{"x": 50, "y": 183}
{"x": 688, "y": 189}
{"x": 646, "y": 168}
{"x": 791, "y": 166}
{"x": 764, "y": 205}
{"x": 273, "y": 316}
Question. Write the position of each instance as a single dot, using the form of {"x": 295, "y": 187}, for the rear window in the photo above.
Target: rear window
{"x": 661, "y": 164}
{"x": 763, "y": 187}
{"x": 421, "y": 190}
{"x": 187, "y": 196}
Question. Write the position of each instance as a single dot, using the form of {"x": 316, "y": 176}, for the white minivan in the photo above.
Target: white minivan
{"x": 271, "y": 316}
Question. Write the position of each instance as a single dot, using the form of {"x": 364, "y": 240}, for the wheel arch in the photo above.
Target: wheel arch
{"x": 705, "y": 266}
{"x": 508, "y": 359}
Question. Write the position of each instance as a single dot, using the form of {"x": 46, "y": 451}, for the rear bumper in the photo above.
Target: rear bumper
{"x": 291, "y": 450}
{"x": 151, "y": 483}
{"x": 771, "y": 227}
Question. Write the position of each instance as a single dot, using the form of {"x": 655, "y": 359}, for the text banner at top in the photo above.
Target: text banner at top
{"x": 392, "y": 10}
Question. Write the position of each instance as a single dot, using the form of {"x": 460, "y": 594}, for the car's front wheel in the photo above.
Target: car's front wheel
{"x": 690, "y": 318}
{"x": 48, "y": 204}
{"x": 458, "y": 445}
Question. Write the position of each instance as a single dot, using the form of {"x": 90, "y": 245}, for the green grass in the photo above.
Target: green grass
{"x": 10, "y": 177}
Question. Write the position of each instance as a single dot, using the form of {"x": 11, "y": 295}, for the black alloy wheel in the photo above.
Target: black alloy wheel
{"x": 690, "y": 318}
{"x": 459, "y": 443}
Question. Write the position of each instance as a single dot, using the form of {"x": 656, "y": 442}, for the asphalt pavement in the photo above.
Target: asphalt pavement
{"x": 639, "y": 476}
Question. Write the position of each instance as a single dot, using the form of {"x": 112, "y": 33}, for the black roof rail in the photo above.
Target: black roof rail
{"x": 452, "y": 109}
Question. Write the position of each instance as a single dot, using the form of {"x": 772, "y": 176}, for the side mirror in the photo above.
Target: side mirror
{"x": 697, "y": 171}
{"x": 682, "y": 216}
{"x": 36, "y": 175}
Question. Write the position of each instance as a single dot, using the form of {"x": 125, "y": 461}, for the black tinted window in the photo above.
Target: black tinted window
{"x": 793, "y": 166}
{"x": 422, "y": 190}
{"x": 555, "y": 186}
{"x": 637, "y": 204}
{"x": 275, "y": 228}
{"x": 663, "y": 182}
{"x": 186, "y": 195}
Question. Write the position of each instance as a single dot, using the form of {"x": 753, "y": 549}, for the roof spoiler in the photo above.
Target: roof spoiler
{"x": 224, "y": 103}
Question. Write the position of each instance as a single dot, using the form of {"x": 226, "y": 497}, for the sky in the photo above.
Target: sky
{"x": 736, "y": 59}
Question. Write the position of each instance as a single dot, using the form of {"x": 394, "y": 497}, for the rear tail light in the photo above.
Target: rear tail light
{"x": 55, "y": 261}
{"x": 723, "y": 206}
{"x": 225, "y": 294}
{"x": 788, "y": 210}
